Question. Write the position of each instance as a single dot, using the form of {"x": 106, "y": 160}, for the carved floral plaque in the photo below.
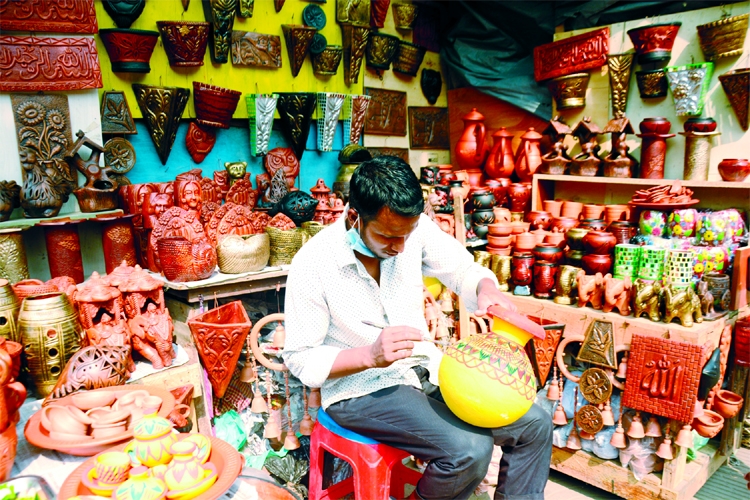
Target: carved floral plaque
{"x": 29, "y": 64}
{"x": 571, "y": 55}
{"x": 55, "y": 16}
{"x": 428, "y": 128}
{"x": 386, "y": 114}
{"x": 663, "y": 377}
{"x": 256, "y": 49}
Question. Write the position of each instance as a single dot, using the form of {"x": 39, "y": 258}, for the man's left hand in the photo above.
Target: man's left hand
{"x": 488, "y": 295}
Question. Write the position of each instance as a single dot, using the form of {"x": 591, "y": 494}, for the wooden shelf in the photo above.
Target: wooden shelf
{"x": 642, "y": 182}
{"x": 26, "y": 223}
{"x": 225, "y": 285}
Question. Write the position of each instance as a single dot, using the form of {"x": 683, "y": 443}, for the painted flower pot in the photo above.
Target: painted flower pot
{"x": 408, "y": 58}
{"x": 184, "y": 42}
{"x": 129, "y": 50}
{"x": 327, "y": 62}
{"x": 689, "y": 85}
{"x": 736, "y": 85}
{"x": 723, "y": 38}
{"x": 214, "y": 106}
{"x": 381, "y": 49}
{"x": 652, "y": 83}
{"x": 404, "y": 15}
{"x": 653, "y": 43}
{"x": 569, "y": 91}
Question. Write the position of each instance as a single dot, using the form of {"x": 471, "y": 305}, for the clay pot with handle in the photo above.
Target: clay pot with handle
{"x": 501, "y": 163}
{"x": 528, "y": 155}
{"x": 472, "y": 149}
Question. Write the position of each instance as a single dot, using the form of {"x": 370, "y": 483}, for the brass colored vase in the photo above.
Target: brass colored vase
{"x": 13, "y": 264}
{"x": 9, "y": 307}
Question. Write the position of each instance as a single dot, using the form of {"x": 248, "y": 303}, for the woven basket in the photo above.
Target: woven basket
{"x": 285, "y": 244}
{"x": 312, "y": 228}
{"x": 240, "y": 254}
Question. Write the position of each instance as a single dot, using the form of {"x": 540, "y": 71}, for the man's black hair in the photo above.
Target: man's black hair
{"x": 385, "y": 181}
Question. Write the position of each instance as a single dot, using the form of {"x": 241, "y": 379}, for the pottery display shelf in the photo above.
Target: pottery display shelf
{"x": 24, "y": 222}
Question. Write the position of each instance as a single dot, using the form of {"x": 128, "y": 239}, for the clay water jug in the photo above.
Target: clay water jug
{"x": 487, "y": 379}
{"x": 528, "y": 155}
{"x": 500, "y": 163}
{"x": 471, "y": 149}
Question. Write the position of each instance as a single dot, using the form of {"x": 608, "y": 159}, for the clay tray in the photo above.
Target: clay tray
{"x": 38, "y": 436}
{"x": 663, "y": 206}
{"x": 227, "y": 460}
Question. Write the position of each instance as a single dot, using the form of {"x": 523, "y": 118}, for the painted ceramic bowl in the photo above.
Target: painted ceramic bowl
{"x": 700, "y": 125}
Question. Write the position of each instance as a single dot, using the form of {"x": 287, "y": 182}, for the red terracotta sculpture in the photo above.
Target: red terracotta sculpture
{"x": 590, "y": 289}
{"x": 617, "y": 295}
{"x": 187, "y": 195}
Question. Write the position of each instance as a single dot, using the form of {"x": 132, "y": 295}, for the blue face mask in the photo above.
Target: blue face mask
{"x": 355, "y": 241}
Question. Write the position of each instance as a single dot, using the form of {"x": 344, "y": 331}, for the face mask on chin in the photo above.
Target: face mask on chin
{"x": 355, "y": 241}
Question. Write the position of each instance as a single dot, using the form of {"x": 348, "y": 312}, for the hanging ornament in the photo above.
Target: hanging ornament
{"x": 329, "y": 108}
{"x": 272, "y": 430}
{"x": 291, "y": 442}
{"x": 295, "y": 113}
{"x": 355, "y": 109}
{"x": 162, "y": 109}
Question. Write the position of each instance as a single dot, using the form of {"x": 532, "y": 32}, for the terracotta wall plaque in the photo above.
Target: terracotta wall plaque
{"x": 386, "y": 114}
{"x": 574, "y": 54}
{"x": 663, "y": 377}
{"x": 402, "y": 153}
{"x": 256, "y": 49}
{"x": 30, "y": 64}
{"x": 428, "y": 128}
{"x": 353, "y": 11}
{"x": 116, "y": 115}
{"x": 76, "y": 16}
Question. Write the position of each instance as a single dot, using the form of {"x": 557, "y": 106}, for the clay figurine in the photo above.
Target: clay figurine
{"x": 706, "y": 298}
{"x": 647, "y": 298}
{"x": 586, "y": 162}
{"x": 566, "y": 283}
{"x": 187, "y": 195}
{"x": 619, "y": 163}
{"x": 682, "y": 304}
{"x": 590, "y": 289}
{"x": 236, "y": 170}
{"x": 556, "y": 161}
{"x": 617, "y": 295}
{"x": 152, "y": 336}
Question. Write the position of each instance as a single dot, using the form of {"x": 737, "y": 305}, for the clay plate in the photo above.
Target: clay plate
{"x": 38, "y": 436}
{"x": 227, "y": 460}
{"x": 665, "y": 206}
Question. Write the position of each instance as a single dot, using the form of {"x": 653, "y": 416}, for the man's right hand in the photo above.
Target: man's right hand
{"x": 394, "y": 343}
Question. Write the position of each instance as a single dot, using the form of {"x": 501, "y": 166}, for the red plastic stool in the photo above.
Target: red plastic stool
{"x": 379, "y": 471}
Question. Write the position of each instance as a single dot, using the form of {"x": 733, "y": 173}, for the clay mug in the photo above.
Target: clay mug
{"x": 554, "y": 207}
{"x": 571, "y": 209}
{"x": 593, "y": 211}
{"x": 112, "y": 467}
{"x": 519, "y": 194}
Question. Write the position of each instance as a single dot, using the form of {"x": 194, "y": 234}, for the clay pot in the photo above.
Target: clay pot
{"x": 734, "y": 170}
{"x": 742, "y": 342}
{"x": 499, "y": 241}
{"x": 482, "y": 217}
{"x": 327, "y": 61}
{"x": 539, "y": 219}
{"x": 184, "y": 41}
{"x": 593, "y": 211}
{"x": 482, "y": 199}
{"x": 563, "y": 224}
{"x": 700, "y": 125}
{"x": 521, "y": 266}
{"x": 593, "y": 224}
{"x": 569, "y": 91}
{"x": 622, "y": 230}
{"x": 501, "y": 214}
{"x": 599, "y": 242}
{"x": 554, "y": 207}
{"x": 539, "y": 235}
{"x": 520, "y": 195}
{"x": 129, "y": 50}
{"x": 547, "y": 252}
{"x": 709, "y": 424}
{"x": 545, "y": 275}
{"x": 594, "y": 263}
{"x": 575, "y": 236}
{"x": 500, "y": 228}
{"x": 183, "y": 260}
{"x": 616, "y": 212}
{"x": 499, "y": 188}
{"x": 528, "y": 155}
{"x": 727, "y": 404}
{"x": 723, "y": 38}
{"x": 655, "y": 125}
{"x": 557, "y": 239}
{"x": 653, "y": 43}
{"x": 736, "y": 85}
{"x": 518, "y": 227}
{"x": 525, "y": 242}
{"x": 124, "y": 12}
{"x": 381, "y": 49}
{"x": 404, "y": 15}
{"x": 571, "y": 209}
{"x": 652, "y": 84}
{"x": 500, "y": 162}
{"x": 472, "y": 148}
{"x": 214, "y": 106}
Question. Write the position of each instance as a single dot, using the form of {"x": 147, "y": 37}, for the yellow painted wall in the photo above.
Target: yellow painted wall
{"x": 247, "y": 79}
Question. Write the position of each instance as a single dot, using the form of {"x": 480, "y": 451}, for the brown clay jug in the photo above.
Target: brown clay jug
{"x": 500, "y": 162}
{"x": 528, "y": 155}
{"x": 471, "y": 149}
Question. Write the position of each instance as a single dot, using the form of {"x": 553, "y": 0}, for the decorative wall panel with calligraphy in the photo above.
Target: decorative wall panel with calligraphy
{"x": 386, "y": 114}
{"x": 429, "y": 128}
{"x": 29, "y": 64}
{"x": 571, "y": 55}
{"x": 256, "y": 49}
{"x": 402, "y": 153}
{"x": 53, "y": 16}
{"x": 663, "y": 377}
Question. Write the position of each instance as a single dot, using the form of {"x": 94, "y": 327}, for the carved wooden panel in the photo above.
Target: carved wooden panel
{"x": 599, "y": 345}
{"x": 663, "y": 377}
{"x": 28, "y": 63}
{"x": 54, "y": 16}
{"x": 574, "y": 54}
{"x": 428, "y": 128}
{"x": 402, "y": 153}
{"x": 256, "y": 49}
{"x": 386, "y": 114}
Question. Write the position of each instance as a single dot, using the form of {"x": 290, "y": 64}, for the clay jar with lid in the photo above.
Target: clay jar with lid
{"x": 538, "y": 219}
{"x": 599, "y": 242}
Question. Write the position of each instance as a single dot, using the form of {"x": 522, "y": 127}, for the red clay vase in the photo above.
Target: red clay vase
{"x": 472, "y": 148}
{"x": 599, "y": 242}
{"x": 500, "y": 162}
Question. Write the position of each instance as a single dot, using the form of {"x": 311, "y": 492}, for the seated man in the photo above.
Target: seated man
{"x": 382, "y": 383}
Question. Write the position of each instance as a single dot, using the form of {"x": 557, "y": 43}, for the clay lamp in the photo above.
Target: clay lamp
{"x": 653, "y": 429}
{"x": 618, "y": 438}
{"x": 636, "y": 430}
{"x": 726, "y": 403}
{"x": 665, "y": 449}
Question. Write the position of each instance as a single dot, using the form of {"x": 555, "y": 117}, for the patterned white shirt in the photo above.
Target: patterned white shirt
{"x": 329, "y": 292}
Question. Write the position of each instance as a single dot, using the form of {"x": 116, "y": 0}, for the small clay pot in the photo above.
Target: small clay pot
{"x": 727, "y": 404}
{"x": 500, "y": 228}
{"x": 525, "y": 242}
{"x": 594, "y": 263}
{"x": 519, "y": 194}
{"x": 547, "y": 252}
{"x": 593, "y": 224}
{"x": 599, "y": 242}
{"x": 701, "y": 125}
{"x": 574, "y": 237}
{"x": 519, "y": 227}
{"x": 499, "y": 188}
{"x": 709, "y": 424}
{"x": 482, "y": 217}
{"x": 734, "y": 170}
{"x": 557, "y": 239}
{"x": 655, "y": 125}
{"x": 623, "y": 230}
{"x": 539, "y": 219}
{"x": 563, "y": 224}
{"x": 571, "y": 209}
{"x": 482, "y": 199}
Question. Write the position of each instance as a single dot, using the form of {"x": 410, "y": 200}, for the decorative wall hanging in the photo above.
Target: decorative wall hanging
{"x": 353, "y": 12}
{"x": 220, "y": 13}
{"x": 162, "y": 109}
{"x": 119, "y": 156}
{"x": 663, "y": 377}
{"x": 329, "y": 108}
{"x": 313, "y": 16}
{"x": 354, "y": 39}
{"x": 571, "y": 55}
{"x": 428, "y": 128}
{"x": 404, "y": 15}
{"x": 689, "y": 85}
{"x": 49, "y": 16}
{"x": 298, "y": 39}
{"x": 245, "y": 8}
{"x": 100, "y": 191}
{"x": 386, "y": 114}
{"x": 295, "y": 112}
{"x": 409, "y": 57}
{"x": 260, "y": 111}
{"x": 184, "y": 42}
{"x": 652, "y": 83}
{"x": 355, "y": 109}
{"x": 219, "y": 335}
{"x": 43, "y": 126}
{"x": 256, "y": 49}
{"x": 431, "y": 83}
{"x": 653, "y": 43}
{"x": 199, "y": 141}
{"x": 34, "y": 64}
{"x": 598, "y": 347}
{"x": 619, "y": 81}
{"x": 327, "y": 61}
{"x": 13, "y": 264}
{"x": 723, "y": 38}
{"x": 214, "y": 106}
{"x": 124, "y": 12}
{"x": 282, "y": 159}
{"x": 736, "y": 85}
{"x": 595, "y": 385}
{"x": 569, "y": 91}
{"x": 378, "y": 12}
{"x": 129, "y": 50}
{"x": 381, "y": 48}
{"x": 402, "y": 153}
{"x": 542, "y": 351}
{"x": 116, "y": 115}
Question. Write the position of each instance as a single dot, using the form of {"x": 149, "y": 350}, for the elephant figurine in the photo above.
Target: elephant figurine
{"x": 152, "y": 336}
{"x": 590, "y": 289}
{"x": 617, "y": 294}
{"x": 682, "y": 304}
{"x": 647, "y": 298}
{"x": 566, "y": 284}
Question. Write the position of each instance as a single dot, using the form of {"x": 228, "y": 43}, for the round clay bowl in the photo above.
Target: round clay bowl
{"x": 519, "y": 227}
{"x": 499, "y": 241}
{"x": 60, "y": 419}
{"x": 103, "y": 431}
{"x": 66, "y": 436}
{"x": 734, "y": 170}
{"x": 727, "y": 404}
{"x": 92, "y": 399}
{"x": 655, "y": 125}
{"x": 102, "y": 416}
{"x": 709, "y": 424}
{"x": 500, "y": 229}
{"x": 538, "y": 219}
